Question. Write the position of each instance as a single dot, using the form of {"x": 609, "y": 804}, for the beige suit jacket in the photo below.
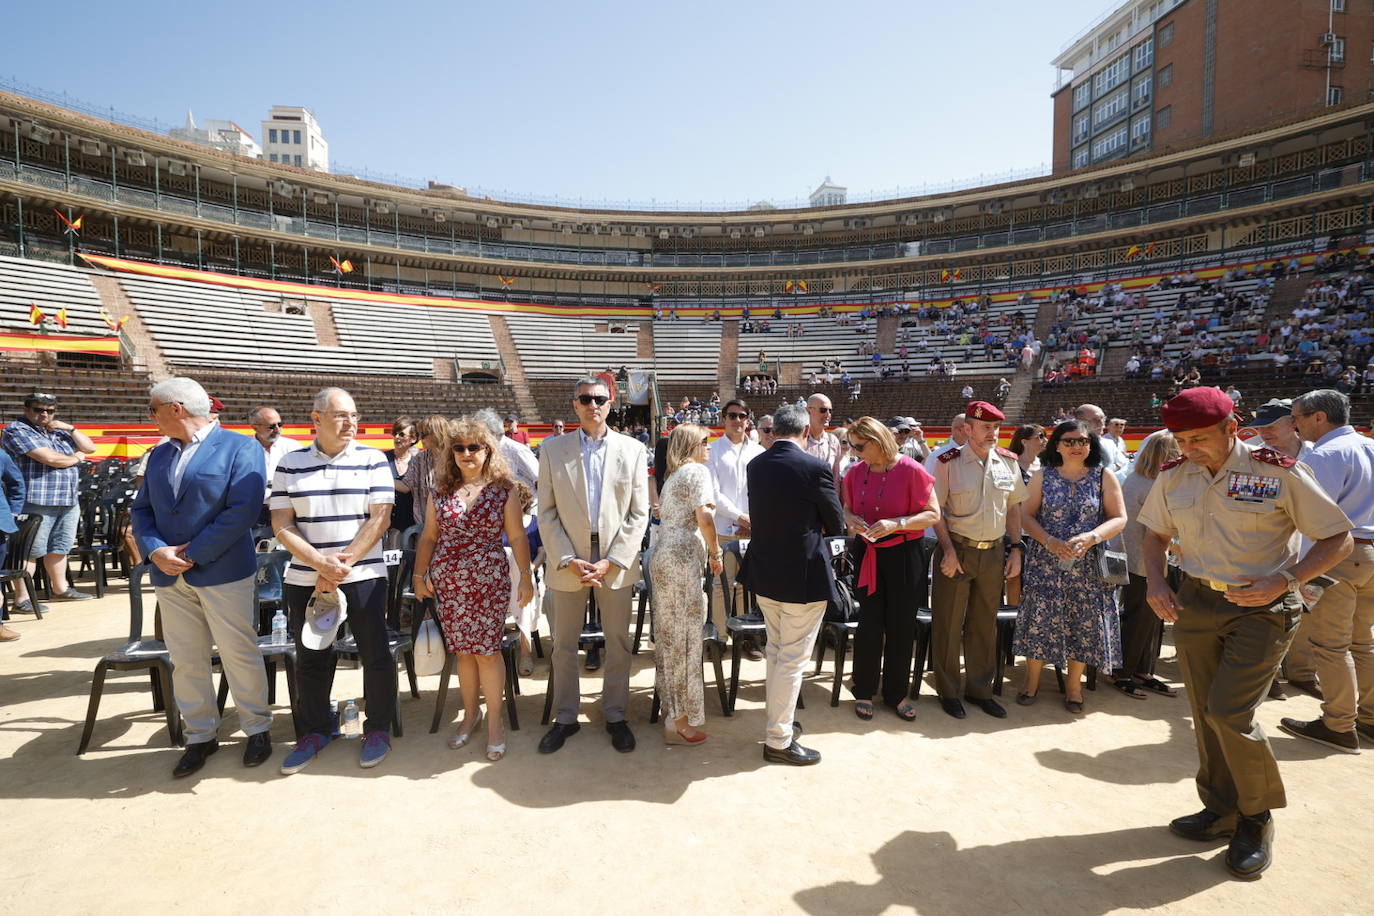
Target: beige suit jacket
{"x": 564, "y": 523}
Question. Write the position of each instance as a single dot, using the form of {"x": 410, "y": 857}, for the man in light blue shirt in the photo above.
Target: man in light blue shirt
{"x": 1342, "y": 620}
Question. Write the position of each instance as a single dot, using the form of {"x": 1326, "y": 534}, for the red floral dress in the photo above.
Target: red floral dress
{"x": 469, "y": 570}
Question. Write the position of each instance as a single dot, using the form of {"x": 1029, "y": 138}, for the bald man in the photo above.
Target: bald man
{"x": 819, "y": 443}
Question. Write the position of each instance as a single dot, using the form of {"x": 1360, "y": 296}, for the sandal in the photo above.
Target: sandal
{"x": 863, "y": 709}
{"x": 525, "y": 666}
{"x": 1025, "y": 699}
{"x": 1074, "y": 706}
{"x": 906, "y": 710}
{"x": 496, "y": 751}
{"x": 460, "y": 739}
{"x": 1155, "y": 685}
{"x": 1128, "y": 687}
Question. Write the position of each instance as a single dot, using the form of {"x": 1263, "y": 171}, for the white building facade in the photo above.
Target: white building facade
{"x": 292, "y": 136}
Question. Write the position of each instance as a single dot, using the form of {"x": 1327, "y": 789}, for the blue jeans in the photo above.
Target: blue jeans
{"x": 57, "y": 531}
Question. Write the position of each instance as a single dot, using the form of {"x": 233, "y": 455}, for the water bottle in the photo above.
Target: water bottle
{"x": 280, "y": 635}
{"x": 352, "y": 725}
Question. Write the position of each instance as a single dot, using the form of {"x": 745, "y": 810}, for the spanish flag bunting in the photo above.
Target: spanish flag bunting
{"x": 944, "y": 276}
{"x": 36, "y": 316}
{"x": 73, "y": 226}
{"x": 344, "y": 267}
{"x": 653, "y": 287}
{"x": 789, "y": 286}
{"x": 61, "y": 318}
{"x": 506, "y": 282}
{"x": 802, "y": 286}
{"x": 958, "y": 274}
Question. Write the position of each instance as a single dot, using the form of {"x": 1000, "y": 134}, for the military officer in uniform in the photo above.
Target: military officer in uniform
{"x": 1234, "y": 510}
{"x": 980, "y": 490}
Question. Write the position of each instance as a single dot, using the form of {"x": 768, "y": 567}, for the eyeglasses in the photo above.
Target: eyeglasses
{"x": 277, "y": 425}
{"x": 823, "y": 409}
{"x": 858, "y": 446}
{"x": 1075, "y": 442}
{"x": 153, "y": 408}
{"x": 705, "y": 441}
{"x": 476, "y": 448}
{"x": 736, "y": 415}
{"x": 766, "y": 429}
{"x": 597, "y": 399}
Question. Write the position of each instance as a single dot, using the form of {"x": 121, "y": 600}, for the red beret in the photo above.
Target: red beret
{"x": 216, "y": 405}
{"x": 1196, "y": 408}
{"x": 982, "y": 410}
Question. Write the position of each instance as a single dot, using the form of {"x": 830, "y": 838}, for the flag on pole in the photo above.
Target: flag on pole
{"x": 789, "y": 286}
{"x": 506, "y": 282}
{"x": 343, "y": 267}
{"x": 61, "y": 318}
{"x": 1132, "y": 252}
{"x": 1149, "y": 249}
{"x": 73, "y": 226}
{"x": 958, "y": 274}
{"x": 944, "y": 276}
{"x": 114, "y": 324}
{"x": 653, "y": 287}
{"x": 36, "y": 316}
{"x": 802, "y": 286}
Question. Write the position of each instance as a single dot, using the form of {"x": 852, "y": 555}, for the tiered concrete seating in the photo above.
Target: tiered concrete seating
{"x": 25, "y": 283}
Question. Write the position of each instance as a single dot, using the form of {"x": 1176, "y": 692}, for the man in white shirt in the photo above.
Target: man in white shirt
{"x": 267, "y": 424}
{"x": 1114, "y": 459}
{"x": 819, "y": 443}
{"x": 958, "y": 438}
{"x": 727, "y": 458}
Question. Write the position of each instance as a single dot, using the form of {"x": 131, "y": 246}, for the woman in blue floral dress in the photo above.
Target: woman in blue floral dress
{"x": 1068, "y": 615}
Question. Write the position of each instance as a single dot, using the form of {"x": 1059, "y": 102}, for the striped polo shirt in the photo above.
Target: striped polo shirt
{"x": 332, "y": 498}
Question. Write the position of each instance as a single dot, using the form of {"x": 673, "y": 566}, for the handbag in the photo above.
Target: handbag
{"x": 429, "y": 648}
{"x": 846, "y": 609}
{"x": 1111, "y": 564}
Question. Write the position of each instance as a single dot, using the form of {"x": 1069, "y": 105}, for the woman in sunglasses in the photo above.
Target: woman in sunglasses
{"x": 1068, "y": 614}
{"x": 461, "y": 563}
{"x": 889, "y": 499}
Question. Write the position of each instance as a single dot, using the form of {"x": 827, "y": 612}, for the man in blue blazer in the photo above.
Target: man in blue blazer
{"x": 13, "y": 504}
{"x": 193, "y": 518}
{"x": 793, "y": 507}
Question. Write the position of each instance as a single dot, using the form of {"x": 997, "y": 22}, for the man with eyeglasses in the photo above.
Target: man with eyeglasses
{"x": 764, "y": 425}
{"x": 267, "y": 424}
{"x": 48, "y": 452}
{"x": 727, "y": 458}
{"x": 819, "y": 443}
{"x": 593, "y": 509}
{"x": 331, "y": 504}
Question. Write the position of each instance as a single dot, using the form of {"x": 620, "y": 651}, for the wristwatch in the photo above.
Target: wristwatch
{"x": 1292, "y": 580}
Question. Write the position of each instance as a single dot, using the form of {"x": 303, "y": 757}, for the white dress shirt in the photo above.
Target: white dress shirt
{"x": 727, "y": 462}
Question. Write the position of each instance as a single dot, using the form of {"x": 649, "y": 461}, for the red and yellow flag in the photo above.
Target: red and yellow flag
{"x": 1133, "y": 251}
{"x": 506, "y": 282}
{"x": 944, "y": 276}
{"x": 1149, "y": 249}
{"x": 789, "y": 286}
{"x": 72, "y": 225}
{"x": 958, "y": 274}
{"x": 36, "y": 316}
{"x": 653, "y": 287}
{"x": 61, "y": 318}
{"x": 344, "y": 267}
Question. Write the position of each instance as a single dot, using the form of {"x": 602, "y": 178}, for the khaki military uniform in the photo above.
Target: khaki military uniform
{"x": 1232, "y": 527}
{"x": 974, "y": 497}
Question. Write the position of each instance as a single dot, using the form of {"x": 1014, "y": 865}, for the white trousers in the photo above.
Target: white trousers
{"x": 792, "y": 630}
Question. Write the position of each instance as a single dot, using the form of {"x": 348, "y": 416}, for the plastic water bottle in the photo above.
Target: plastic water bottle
{"x": 352, "y": 725}
{"x": 280, "y": 635}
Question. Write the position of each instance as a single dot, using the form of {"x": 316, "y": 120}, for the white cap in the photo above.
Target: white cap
{"x": 325, "y": 613}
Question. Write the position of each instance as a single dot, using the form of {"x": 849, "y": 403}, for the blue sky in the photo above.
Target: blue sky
{"x": 638, "y": 101}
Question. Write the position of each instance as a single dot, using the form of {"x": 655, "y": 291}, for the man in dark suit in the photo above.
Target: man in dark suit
{"x": 193, "y": 518}
{"x": 787, "y": 567}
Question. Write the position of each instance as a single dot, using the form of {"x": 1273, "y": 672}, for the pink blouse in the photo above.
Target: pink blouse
{"x": 904, "y": 489}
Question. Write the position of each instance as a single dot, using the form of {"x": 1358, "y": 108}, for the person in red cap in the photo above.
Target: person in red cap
{"x": 979, "y": 489}
{"x": 1233, "y": 509}
{"x": 216, "y": 408}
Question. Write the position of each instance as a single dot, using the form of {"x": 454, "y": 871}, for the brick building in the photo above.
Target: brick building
{"x": 1155, "y": 74}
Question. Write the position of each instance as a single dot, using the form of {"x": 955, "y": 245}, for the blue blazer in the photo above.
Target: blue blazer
{"x": 15, "y": 491}
{"x": 221, "y": 496}
{"x": 792, "y": 508}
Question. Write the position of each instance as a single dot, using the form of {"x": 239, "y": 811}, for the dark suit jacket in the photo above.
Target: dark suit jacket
{"x": 214, "y": 513}
{"x": 13, "y": 481}
{"x": 792, "y": 508}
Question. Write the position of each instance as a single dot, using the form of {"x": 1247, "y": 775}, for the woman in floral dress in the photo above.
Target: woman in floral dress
{"x": 686, "y": 539}
{"x": 460, "y": 561}
{"x": 1068, "y": 614}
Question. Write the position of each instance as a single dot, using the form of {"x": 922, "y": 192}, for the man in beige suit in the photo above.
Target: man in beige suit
{"x": 592, "y": 474}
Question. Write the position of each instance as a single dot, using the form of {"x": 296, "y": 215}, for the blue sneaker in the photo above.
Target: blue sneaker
{"x": 376, "y": 745}
{"x": 307, "y": 749}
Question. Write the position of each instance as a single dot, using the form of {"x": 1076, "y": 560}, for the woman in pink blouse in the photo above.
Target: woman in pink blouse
{"x": 889, "y": 500}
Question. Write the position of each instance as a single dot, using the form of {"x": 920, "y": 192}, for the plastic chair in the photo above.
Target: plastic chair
{"x": 136, "y": 654}
{"x": 1006, "y": 633}
{"x": 267, "y": 593}
{"x": 742, "y": 621}
{"x": 920, "y": 663}
{"x": 19, "y": 544}
{"x": 835, "y": 632}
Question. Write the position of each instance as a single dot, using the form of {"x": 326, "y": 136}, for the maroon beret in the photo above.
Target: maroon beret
{"x": 216, "y": 405}
{"x": 1196, "y": 408}
{"x": 982, "y": 410}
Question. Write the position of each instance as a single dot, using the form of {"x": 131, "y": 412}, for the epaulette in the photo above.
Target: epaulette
{"x": 1270, "y": 456}
{"x": 1006, "y": 453}
{"x": 949, "y": 456}
{"x": 1173, "y": 462}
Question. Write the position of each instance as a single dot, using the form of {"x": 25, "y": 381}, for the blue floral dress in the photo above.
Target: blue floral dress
{"x": 1067, "y": 613}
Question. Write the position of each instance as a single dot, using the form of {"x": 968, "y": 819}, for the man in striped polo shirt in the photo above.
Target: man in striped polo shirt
{"x": 331, "y": 503}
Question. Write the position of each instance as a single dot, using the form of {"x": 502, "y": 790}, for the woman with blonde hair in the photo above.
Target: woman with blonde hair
{"x": 1141, "y": 631}
{"x": 686, "y": 544}
{"x": 889, "y": 499}
{"x": 461, "y": 563}
{"x": 418, "y": 478}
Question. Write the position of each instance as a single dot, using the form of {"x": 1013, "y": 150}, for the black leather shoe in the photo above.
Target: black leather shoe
{"x": 1316, "y": 730}
{"x": 953, "y": 708}
{"x": 793, "y": 754}
{"x": 593, "y": 659}
{"x": 258, "y": 749}
{"x": 1276, "y": 691}
{"x": 796, "y": 729}
{"x": 194, "y": 758}
{"x": 989, "y": 706}
{"x": 555, "y": 737}
{"x": 1252, "y": 848}
{"x": 622, "y": 739}
{"x": 1308, "y": 687}
{"x": 1365, "y": 730}
{"x": 1205, "y": 826}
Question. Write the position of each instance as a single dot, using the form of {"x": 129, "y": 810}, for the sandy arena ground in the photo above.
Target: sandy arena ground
{"x": 1038, "y": 813}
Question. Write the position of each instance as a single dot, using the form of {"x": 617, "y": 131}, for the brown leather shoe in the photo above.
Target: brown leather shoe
{"x": 1309, "y": 687}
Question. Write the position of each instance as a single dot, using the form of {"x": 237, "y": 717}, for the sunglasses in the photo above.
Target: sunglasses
{"x": 858, "y": 446}
{"x": 475, "y": 448}
{"x": 1075, "y": 442}
{"x": 823, "y": 409}
{"x": 597, "y": 399}
{"x": 271, "y": 425}
{"x": 736, "y": 415}
{"x": 43, "y": 409}
{"x": 766, "y": 429}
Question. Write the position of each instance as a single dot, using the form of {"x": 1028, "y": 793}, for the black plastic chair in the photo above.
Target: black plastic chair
{"x": 837, "y": 633}
{"x": 1006, "y": 633}
{"x": 920, "y": 662}
{"x": 743, "y": 621}
{"x": 267, "y": 593}
{"x": 137, "y": 654}
{"x": 19, "y": 543}
{"x": 98, "y": 540}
